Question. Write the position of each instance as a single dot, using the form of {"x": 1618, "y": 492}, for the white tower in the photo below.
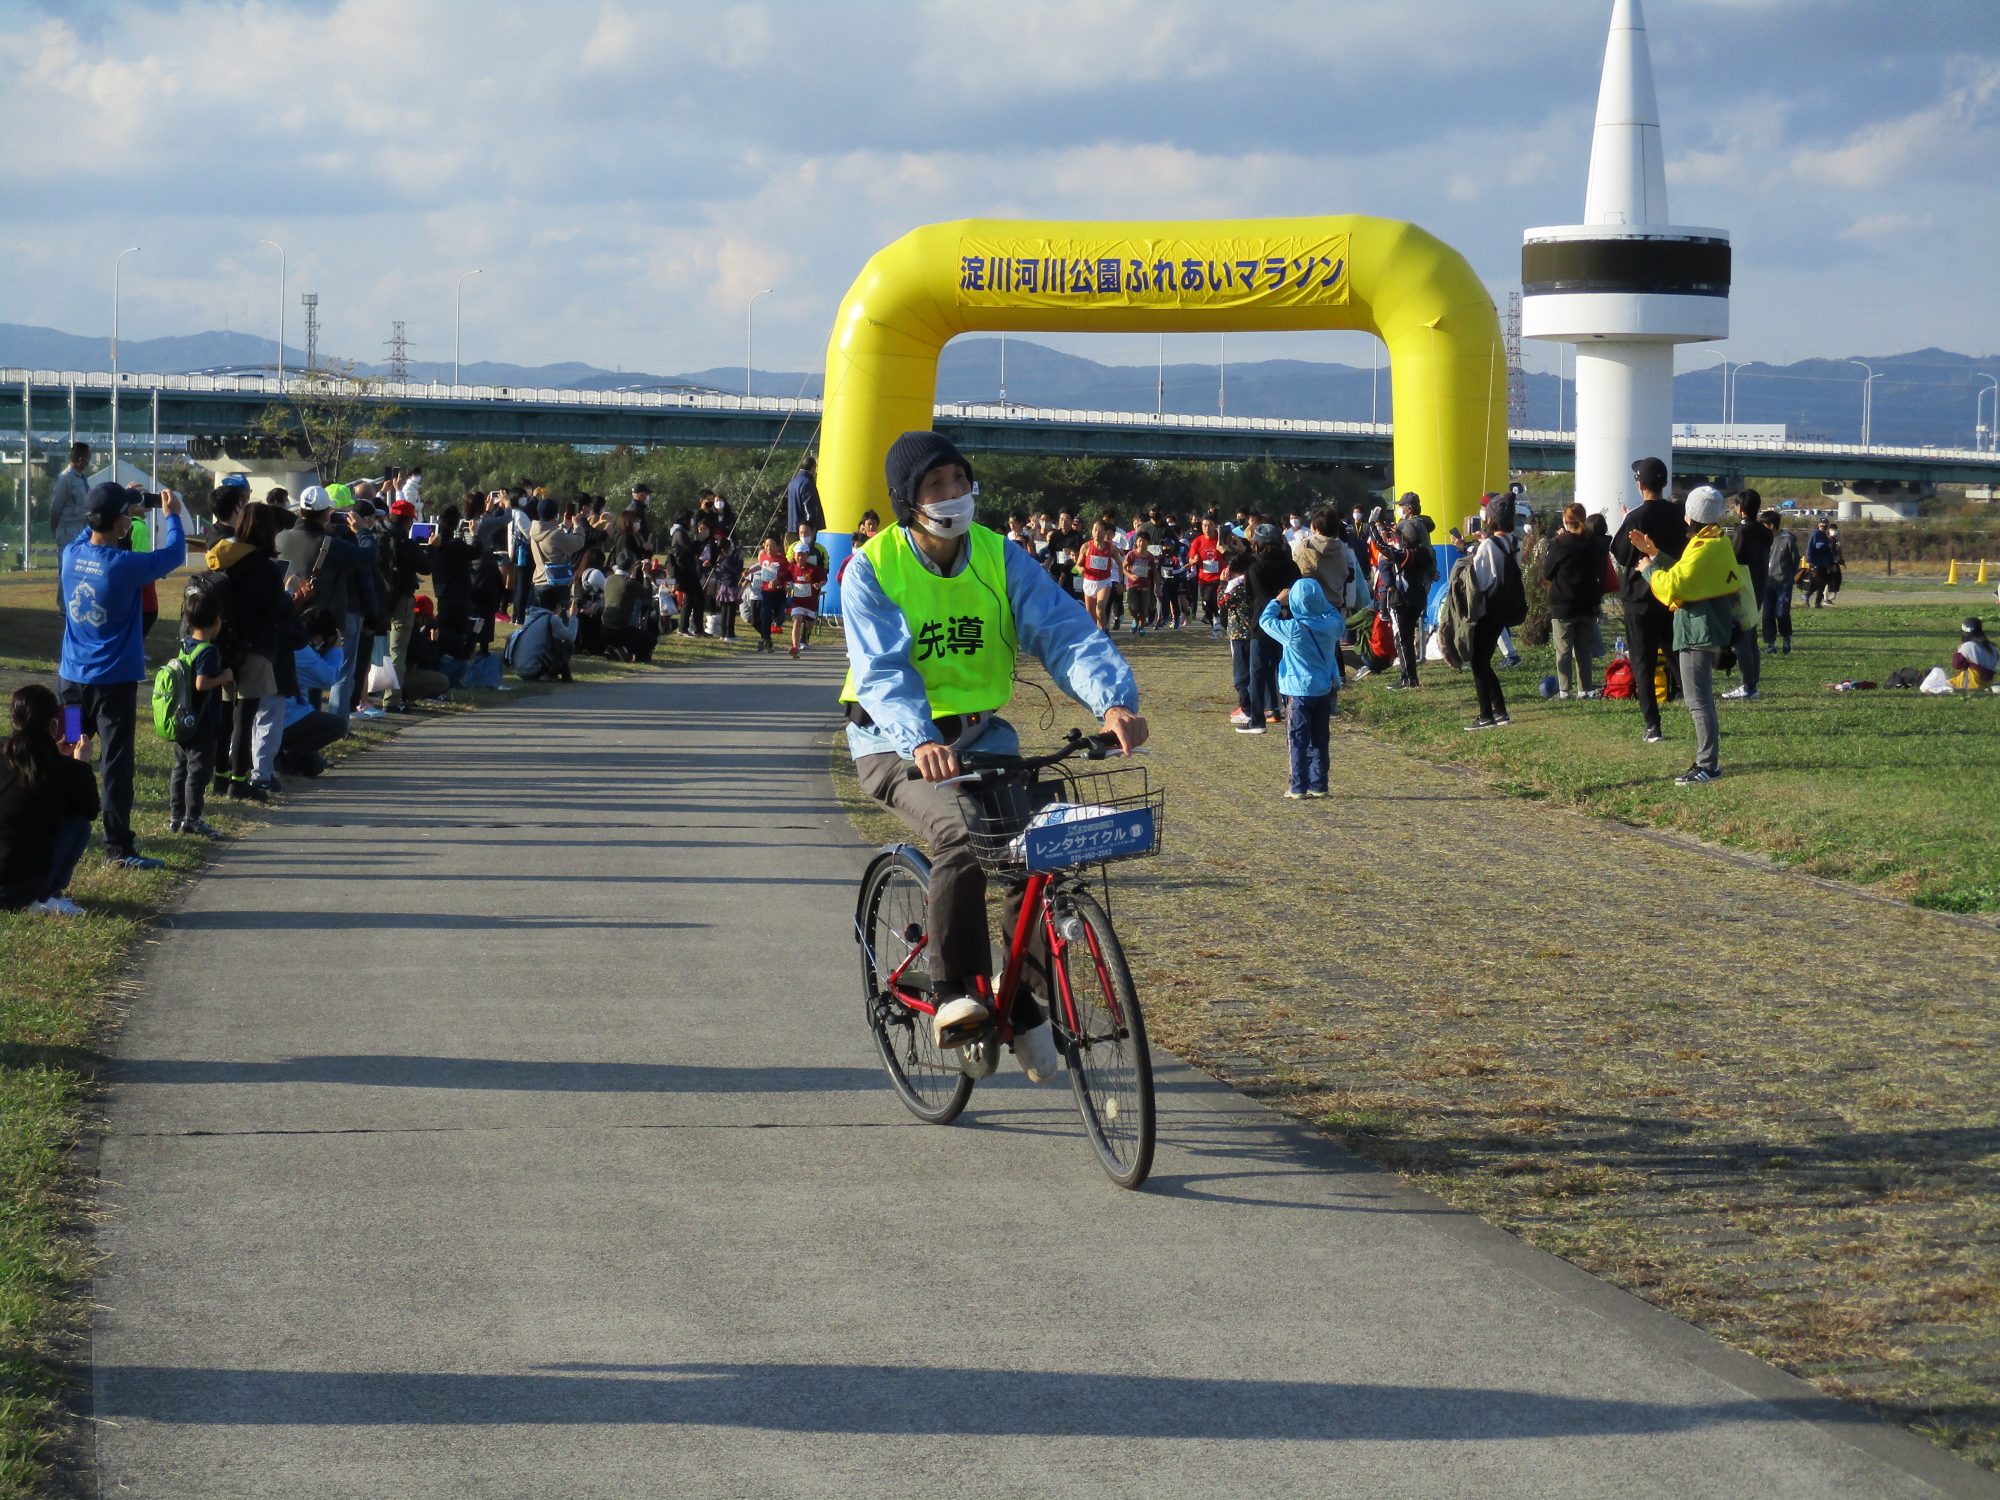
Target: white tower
{"x": 1624, "y": 286}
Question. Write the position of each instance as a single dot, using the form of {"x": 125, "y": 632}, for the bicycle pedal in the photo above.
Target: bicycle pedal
{"x": 979, "y": 1057}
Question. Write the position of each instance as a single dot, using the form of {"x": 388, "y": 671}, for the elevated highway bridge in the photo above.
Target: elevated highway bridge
{"x": 222, "y": 406}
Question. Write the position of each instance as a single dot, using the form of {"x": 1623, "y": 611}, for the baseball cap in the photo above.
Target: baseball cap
{"x": 402, "y": 510}
{"x": 106, "y": 503}
{"x": 1650, "y": 472}
{"x": 343, "y": 497}
{"x": 315, "y": 498}
{"x": 1409, "y": 498}
{"x": 1266, "y": 532}
{"x": 233, "y": 482}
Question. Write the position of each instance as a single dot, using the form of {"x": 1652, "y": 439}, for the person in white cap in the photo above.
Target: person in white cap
{"x": 1708, "y": 594}
{"x": 324, "y": 569}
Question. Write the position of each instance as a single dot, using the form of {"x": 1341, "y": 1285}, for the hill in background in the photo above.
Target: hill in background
{"x": 1921, "y": 397}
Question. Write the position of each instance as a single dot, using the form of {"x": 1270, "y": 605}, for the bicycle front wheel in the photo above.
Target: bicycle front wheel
{"x": 894, "y": 917}
{"x": 1102, "y": 1035}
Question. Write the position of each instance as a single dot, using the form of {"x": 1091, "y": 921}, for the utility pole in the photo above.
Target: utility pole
{"x": 399, "y": 354}
{"x": 1517, "y": 379}
{"x": 311, "y": 301}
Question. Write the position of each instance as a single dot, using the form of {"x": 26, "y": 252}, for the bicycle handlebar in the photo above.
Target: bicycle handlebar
{"x": 1076, "y": 742}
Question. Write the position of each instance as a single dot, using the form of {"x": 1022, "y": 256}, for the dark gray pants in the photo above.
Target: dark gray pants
{"x": 187, "y": 786}
{"x": 1698, "y": 687}
{"x": 960, "y": 941}
{"x": 112, "y": 708}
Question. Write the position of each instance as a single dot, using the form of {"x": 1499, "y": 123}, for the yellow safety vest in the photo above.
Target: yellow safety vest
{"x": 961, "y": 628}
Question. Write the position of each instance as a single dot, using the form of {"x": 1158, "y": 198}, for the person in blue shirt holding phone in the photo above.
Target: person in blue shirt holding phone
{"x": 103, "y": 650}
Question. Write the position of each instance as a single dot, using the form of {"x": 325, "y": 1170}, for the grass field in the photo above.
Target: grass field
{"x": 1767, "y": 1104}
{"x": 1889, "y": 789}
{"x": 62, "y": 985}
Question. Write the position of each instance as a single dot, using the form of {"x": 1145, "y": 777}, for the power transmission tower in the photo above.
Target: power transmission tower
{"x": 311, "y": 301}
{"x": 399, "y": 354}
{"x": 1517, "y": 380}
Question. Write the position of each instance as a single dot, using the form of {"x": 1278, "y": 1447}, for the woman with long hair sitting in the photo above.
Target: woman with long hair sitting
{"x": 48, "y": 797}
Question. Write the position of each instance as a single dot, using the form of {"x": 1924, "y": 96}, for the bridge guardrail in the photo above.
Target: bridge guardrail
{"x": 270, "y": 385}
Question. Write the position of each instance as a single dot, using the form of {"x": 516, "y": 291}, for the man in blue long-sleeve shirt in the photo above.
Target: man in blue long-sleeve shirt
{"x": 103, "y": 651}
{"x": 936, "y": 609}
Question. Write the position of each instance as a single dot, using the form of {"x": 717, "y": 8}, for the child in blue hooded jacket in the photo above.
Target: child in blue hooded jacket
{"x": 1308, "y": 676}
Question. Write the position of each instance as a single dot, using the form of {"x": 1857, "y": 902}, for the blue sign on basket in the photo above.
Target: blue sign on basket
{"x": 1085, "y": 840}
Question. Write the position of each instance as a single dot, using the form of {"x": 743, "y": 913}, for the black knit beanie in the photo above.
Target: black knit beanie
{"x": 911, "y": 457}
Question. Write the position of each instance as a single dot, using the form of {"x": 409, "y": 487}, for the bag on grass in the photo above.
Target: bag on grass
{"x": 1618, "y": 679}
{"x": 1936, "y": 681}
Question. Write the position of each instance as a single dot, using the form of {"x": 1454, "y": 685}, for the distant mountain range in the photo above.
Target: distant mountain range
{"x": 1922, "y": 397}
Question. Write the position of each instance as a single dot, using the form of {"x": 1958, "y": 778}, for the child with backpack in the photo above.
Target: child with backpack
{"x": 190, "y": 685}
{"x": 1308, "y": 676}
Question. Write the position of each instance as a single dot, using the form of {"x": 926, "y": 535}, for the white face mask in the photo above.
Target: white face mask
{"x": 947, "y": 518}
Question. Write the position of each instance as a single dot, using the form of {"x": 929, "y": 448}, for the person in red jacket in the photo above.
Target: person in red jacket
{"x": 1205, "y": 562}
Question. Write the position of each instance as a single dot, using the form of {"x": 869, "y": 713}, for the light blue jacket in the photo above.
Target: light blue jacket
{"x": 1048, "y": 624}
{"x": 319, "y": 672}
{"x": 1310, "y": 667}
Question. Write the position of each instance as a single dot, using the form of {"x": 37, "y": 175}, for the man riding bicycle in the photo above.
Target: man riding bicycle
{"x": 937, "y": 608}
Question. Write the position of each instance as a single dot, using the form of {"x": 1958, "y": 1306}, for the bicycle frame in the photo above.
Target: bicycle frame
{"x": 1036, "y": 905}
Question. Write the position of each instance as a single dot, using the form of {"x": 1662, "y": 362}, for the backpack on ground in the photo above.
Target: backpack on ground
{"x": 1618, "y": 679}
{"x": 176, "y": 717}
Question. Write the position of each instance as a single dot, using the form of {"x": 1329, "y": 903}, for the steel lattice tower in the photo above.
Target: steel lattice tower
{"x": 1517, "y": 380}
{"x": 311, "y": 301}
{"x": 399, "y": 354}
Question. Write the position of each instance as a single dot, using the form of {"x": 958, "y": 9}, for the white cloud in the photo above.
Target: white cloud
{"x": 628, "y": 171}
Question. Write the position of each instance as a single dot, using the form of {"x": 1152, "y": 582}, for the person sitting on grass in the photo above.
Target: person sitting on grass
{"x": 310, "y": 725}
{"x": 540, "y": 650}
{"x": 48, "y": 798}
{"x": 1974, "y": 663}
{"x": 1308, "y": 676}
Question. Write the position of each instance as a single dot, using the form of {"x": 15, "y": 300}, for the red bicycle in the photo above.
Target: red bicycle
{"x": 1045, "y": 833}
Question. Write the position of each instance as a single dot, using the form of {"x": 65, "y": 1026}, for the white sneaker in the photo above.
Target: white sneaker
{"x": 957, "y": 1020}
{"x": 1035, "y": 1050}
{"x": 56, "y": 906}
{"x": 1739, "y": 691}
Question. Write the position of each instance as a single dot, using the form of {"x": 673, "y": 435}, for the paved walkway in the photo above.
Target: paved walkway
{"x": 501, "y": 1122}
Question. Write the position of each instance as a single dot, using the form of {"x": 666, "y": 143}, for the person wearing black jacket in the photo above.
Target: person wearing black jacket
{"x": 452, "y": 562}
{"x": 1752, "y": 542}
{"x": 685, "y": 559}
{"x": 631, "y": 544}
{"x": 1649, "y": 625}
{"x": 48, "y": 800}
{"x": 1270, "y": 573}
{"x": 401, "y": 562}
{"x": 1573, "y": 568}
{"x": 258, "y": 647}
{"x": 1409, "y": 546}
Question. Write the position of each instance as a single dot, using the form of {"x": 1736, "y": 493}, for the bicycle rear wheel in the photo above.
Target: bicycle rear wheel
{"x": 895, "y": 903}
{"x": 1110, "y": 1065}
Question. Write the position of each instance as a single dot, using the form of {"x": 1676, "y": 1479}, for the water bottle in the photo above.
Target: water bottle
{"x": 1618, "y": 647}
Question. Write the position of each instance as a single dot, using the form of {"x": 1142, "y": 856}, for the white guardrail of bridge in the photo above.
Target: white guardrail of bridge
{"x": 270, "y": 385}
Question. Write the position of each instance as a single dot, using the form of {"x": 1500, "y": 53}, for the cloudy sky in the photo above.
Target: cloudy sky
{"x": 628, "y": 173}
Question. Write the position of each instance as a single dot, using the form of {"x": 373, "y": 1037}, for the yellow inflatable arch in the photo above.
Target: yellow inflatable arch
{"x": 1415, "y": 292}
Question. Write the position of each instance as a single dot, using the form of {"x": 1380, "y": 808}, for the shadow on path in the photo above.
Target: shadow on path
{"x": 906, "y": 1399}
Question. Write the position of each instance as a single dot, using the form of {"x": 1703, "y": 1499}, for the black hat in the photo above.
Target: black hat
{"x": 1971, "y": 626}
{"x": 106, "y": 503}
{"x": 1651, "y": 474}
{"x": 1410, "y": 499}
{"x": 642, "y": 488}
{"x": 911, "y": 457}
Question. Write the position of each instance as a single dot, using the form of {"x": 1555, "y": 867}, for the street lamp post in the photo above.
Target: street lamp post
{"x": 1977, "y": 402}
{"x": 281, "y": 310}
{"x": 458, "y": 319}
{"x": 1725, "y": 387}
{"x": 1221, "y": 371}
{"x": 1160, "y": 377}
{"x": 1003, "y": 367}
{"x": 116, "y": 267}
{"x": 1867, "y": 399}
{"x": 749, "y": 338}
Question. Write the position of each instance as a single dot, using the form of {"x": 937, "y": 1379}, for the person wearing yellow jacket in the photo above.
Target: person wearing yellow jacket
{"x": 1704, "y": 588}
